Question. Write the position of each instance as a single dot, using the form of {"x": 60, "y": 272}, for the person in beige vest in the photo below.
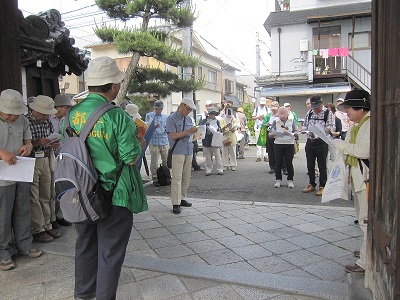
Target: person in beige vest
{"x": 356, "y": 149}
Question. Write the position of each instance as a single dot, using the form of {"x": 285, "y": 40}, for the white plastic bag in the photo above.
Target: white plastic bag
{"x": 337, "y": 185}
{"x": 217, "y": 139}
{"x": 239, "y": 136}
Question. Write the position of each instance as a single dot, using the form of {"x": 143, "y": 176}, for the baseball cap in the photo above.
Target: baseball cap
{"x": 189, "y": 102}
{"x": 286, "y": 104}
{"x": 315, "y": 101}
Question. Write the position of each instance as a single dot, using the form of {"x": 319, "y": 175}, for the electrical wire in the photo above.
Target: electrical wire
{"x": 78, "y": 9}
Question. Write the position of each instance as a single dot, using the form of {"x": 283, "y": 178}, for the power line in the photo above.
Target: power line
{"x": 78, "y": 9}
{"x": 242, "y": 67}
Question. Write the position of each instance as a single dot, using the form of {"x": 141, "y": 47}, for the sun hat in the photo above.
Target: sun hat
{"x": 213, "y": 111}
{"x": 209, "y": 102}
{"x": 315, "y": 101}
{"x": 11, "y": 102}
{"x": 340, "y": 100}
{"x": 357, "y": 98}
{"x": 240, "y": 109}
{"x": 158, "y": 104}
{"x": 43, "y": 104}
{"x": 286, "y": 104}
{"x": 263, "y": 100}
{"x": 103, "y": 70}
{"x": 274, "y": 105}
{"x": 189, "y": 102}
{"x": 62, "y": 100}
{"x": 133, "y": 110}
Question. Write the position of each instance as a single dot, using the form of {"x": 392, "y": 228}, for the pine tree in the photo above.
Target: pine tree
{"x": 150, "y": 42}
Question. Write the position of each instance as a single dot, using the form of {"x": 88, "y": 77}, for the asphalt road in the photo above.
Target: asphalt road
{"x": 250, "y": 182}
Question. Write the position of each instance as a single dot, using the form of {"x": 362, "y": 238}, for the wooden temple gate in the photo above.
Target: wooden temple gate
{"x": 384, "y": 201}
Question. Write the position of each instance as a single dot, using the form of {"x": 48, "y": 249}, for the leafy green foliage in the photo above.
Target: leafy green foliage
{"x": 161, "y": 83}
{"x": 248, "y": 111}
{"x": 149, "y": 42}
{"x": 144, "y": 104}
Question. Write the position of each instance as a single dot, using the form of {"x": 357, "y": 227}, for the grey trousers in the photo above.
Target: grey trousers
{"x": 15, "y": 216}
{"x": 99, "y": 254}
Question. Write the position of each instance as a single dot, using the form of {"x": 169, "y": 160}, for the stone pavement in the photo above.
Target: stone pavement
{"x": 215, "y": 250}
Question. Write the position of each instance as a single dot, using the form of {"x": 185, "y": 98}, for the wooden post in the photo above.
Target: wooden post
{"x": 10, "y": 61}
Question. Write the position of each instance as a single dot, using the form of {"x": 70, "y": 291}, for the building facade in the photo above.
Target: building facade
{"x": 318, "y": 47}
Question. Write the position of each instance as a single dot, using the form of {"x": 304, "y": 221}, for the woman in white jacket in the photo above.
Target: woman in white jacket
{"x": 356, "y": 149}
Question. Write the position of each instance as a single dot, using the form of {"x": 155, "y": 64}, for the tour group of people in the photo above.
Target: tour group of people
{"x": 29, "y": 211}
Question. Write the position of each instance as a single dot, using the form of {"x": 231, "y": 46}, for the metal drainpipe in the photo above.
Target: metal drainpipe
{"x": 279, "y": 50}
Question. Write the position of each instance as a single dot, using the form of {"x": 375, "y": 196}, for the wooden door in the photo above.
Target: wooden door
{"x": 384, "y": 201}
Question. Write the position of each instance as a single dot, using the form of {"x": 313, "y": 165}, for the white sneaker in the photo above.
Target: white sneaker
{"x": 290, "y": 184}
{"x": 278, "y": 184}
{"x": 233, "y": 168}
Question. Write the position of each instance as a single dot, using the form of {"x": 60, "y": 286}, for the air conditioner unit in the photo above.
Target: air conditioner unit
{"x": 304, "y": 45}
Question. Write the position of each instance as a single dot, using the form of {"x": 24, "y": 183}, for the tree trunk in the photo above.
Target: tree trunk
{"x": 10, "y": 61}
{"x": 132, "y": 66}
{"x": 129, "y": 74}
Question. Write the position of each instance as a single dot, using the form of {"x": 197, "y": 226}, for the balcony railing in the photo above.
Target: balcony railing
{"x": 346, "y": 66}
{"x": 211, "y": 86}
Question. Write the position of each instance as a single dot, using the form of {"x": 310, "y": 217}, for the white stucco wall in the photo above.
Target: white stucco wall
{"x": 307, "y": 4}
{"x": 290, "y": 48}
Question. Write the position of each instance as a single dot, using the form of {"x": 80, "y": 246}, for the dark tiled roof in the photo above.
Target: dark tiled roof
{"x": 300, "y": 16}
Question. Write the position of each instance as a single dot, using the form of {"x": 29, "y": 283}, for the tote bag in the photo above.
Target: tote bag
{"x": 337, "y": 185}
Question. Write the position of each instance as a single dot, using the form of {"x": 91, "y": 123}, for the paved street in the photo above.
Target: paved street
{"x": 251, "y": 182}
{"x": 218, "y": 249}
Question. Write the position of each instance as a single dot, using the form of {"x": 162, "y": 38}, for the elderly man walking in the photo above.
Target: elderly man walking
{"x": 180, "y": 129}
{"x": 356, "y": 149}
{"x": 100, "y": 247}
{"x": 159, "y": 141}
{"x": 15, "y": 211}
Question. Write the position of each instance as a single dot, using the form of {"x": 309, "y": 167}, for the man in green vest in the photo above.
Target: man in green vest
{"x": 356, "y": 149}
{"x": 113, "y": 146}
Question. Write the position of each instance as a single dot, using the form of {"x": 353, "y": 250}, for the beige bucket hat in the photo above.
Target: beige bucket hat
{"x": 103, "y": 70}
{"x": 11, "y": 102}
{"x": 43, "y": 104}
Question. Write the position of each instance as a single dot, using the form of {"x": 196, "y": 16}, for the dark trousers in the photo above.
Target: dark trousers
{"x": 284, "y": 153}
{"x": 271, "y": 152}
{"x": 343, "y": 135}
{"x": 100, "y": 252}
{"x": 316, "y": 149}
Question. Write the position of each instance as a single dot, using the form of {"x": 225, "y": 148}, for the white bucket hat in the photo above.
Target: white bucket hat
{"x": 263, "y": 100}
{"x": 11, "y": 102}
{"x": 43, "y": 105}
{"x": 103, "y": 70}
{"x": 189, "y": 102}
{"x": 133, "y": 111}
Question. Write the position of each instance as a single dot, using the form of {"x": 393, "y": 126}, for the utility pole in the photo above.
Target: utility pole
{"x": 258, "y": 61}
{"x": 187, "y": 49}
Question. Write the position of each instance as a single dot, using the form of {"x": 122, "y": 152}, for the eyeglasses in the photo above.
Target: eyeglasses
{"x": 188, "y": 108}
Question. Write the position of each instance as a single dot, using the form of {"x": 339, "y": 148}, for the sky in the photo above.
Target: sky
{"x": 228, "y": 26}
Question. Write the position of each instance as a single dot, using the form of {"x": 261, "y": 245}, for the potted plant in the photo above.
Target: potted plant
{"x": 318, "y": 66}
{"x": 285, "y": 4}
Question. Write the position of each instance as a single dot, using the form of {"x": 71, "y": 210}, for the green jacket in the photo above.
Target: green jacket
{"x": 112, "y": 144}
